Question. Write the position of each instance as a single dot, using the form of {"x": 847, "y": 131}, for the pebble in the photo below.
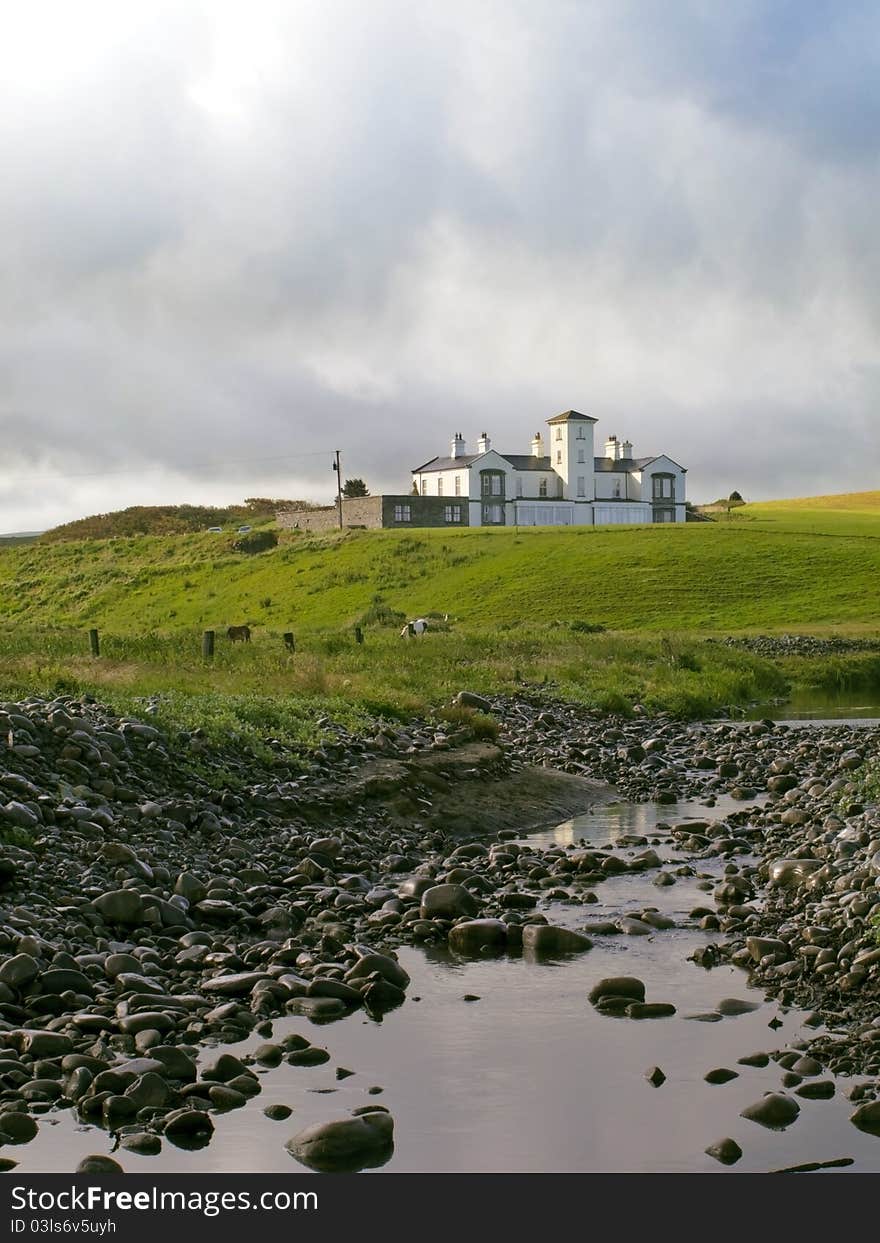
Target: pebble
{"x": 727, "y": 1151}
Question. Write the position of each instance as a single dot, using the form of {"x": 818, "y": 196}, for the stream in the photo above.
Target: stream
{"x": 528, "y": 1076}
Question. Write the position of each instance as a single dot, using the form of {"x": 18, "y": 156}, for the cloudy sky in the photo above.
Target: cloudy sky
{"x": 235, "y": 236}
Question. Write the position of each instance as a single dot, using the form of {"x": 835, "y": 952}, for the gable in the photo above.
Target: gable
{"x": 661, "y": 462}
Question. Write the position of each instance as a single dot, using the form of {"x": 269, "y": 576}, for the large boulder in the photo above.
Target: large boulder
{"x": 867, "y": 1117}
{"x": 188, "y": 1128}
{"x": 121, "y": 906}
{"x": 19, "y": 970}
{"x": 97, "y": 1163}
{"x": 775, "y": 1110}
{"x": 447, "y": 902}
{"x": 467, "y": 699}
{"x": 788, "y": 873}
{"x": 190, "y": 887}
{"x": 62, "y": 979}
{"x": 618, "y": 986}
{"x": 360, "y": 1142}
{"x": 549, "y": 939}
{"x": 239, "y": 984}
{"x": 475, "y": 935}
{"x": 370, "y": 962}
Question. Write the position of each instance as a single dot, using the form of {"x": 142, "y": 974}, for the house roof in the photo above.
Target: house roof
{"x": 572, "y": 416}
{"x": 526, "y": 461}
{"x": 447, "y": 463}
{"x": 519, "y": 461}
{"x": 621, "y": 465}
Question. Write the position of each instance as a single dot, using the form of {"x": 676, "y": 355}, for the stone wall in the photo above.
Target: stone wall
{"x": 358, "y": 511}
{"x": 373, "y": 512}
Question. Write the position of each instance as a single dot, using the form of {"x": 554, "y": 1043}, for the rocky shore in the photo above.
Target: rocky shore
{"x": 160, "y": 896}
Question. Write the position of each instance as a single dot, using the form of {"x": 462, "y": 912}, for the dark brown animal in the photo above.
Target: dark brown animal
{"x": 234, "y": 633}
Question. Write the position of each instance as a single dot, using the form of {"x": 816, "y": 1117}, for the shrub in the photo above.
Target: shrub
{"x": 585, "y": 627}
{"x": 380, "y": 613}
{"x": 257, "y": 541}
{"x": 479, "y": 724}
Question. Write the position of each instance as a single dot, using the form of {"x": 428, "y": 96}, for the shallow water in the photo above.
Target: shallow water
{"x": 530, "y": 1077}
{"x": 822, "y": 708}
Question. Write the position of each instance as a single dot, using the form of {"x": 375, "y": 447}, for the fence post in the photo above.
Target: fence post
{"x": 289, "y": 641}
{"x": 208, "y": 645}
{"x": 358, "y": 635}
{"x": 94, "y": 645}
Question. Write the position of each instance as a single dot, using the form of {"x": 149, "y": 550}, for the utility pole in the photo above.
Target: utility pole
{"x": 338, "y": 468}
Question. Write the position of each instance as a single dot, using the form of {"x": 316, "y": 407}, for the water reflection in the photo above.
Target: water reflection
{"x": 611, "y": 824}
{"x": 822, "y": 707}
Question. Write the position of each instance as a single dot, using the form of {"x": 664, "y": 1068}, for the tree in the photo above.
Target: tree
{"x": 355, "y": 487}
{"x": 730, "y": 502}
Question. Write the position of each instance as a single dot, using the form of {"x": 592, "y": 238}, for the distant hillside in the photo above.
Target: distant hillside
{"x": 169, "y": 519}
{"x": 845, "y": 513}
{"x": 848, "y": 502}
{"x": 19, "y": 537}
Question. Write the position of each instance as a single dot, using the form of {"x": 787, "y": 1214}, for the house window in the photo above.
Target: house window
{"x": 493, "y": 515}
{"x": 492, "y": 483}
{"x": 458, "y": 485}
{"x": 542, "y": 486}
{"x": 582, "y": 485}
{"x": 581, "y": 457}
{"x": 424, "y": 487}
{"x": 519, "y": 485}
{"x": 439, "y": 485}
{"x": 402, "y": 513}
{"x": 558, "y": 457}
{"x": 663, "y": 487}
{"x": 559, "y": 433}
{"x": 453, "y": 513}
{"x": 617, "y": 489}
{"x": 580, "y": 435}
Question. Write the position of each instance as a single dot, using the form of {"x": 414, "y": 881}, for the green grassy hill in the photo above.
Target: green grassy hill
{"x": 520, "y": 604}
{"x": 764, "y": 570}
{"x": 851, "y": 513}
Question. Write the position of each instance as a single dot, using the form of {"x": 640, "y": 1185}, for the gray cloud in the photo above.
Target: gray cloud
{"x": 233, "y": 232}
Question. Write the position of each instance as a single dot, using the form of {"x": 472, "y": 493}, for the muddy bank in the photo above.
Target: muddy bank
{"x": 480, "y": 790}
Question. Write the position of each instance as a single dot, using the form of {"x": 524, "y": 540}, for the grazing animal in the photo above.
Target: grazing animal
{"x": 234, "y": 633}
{"x": 419, "y": 626}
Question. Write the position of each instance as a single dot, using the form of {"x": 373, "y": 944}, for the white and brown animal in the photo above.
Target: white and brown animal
{"x": 413, "y": 628}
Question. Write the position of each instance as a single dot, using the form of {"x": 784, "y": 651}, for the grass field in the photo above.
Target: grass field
{"x": 756, "y": 572}
{"x": 851, "y": 514}
{"x": 519, "y": 603}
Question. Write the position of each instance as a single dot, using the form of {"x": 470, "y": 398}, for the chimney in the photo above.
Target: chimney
{"x": 484, "y": 443}
{"x": 612, "y": 448}
{"x": 537, "y": 445}
{"x": 458, "y": 445}
{"x": 626, "y": 449}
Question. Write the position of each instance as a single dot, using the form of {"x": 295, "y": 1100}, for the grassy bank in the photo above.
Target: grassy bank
{"x": 262, "y": 688}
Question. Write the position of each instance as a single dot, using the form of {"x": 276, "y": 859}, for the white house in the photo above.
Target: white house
{"x": 560, "y": 483}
